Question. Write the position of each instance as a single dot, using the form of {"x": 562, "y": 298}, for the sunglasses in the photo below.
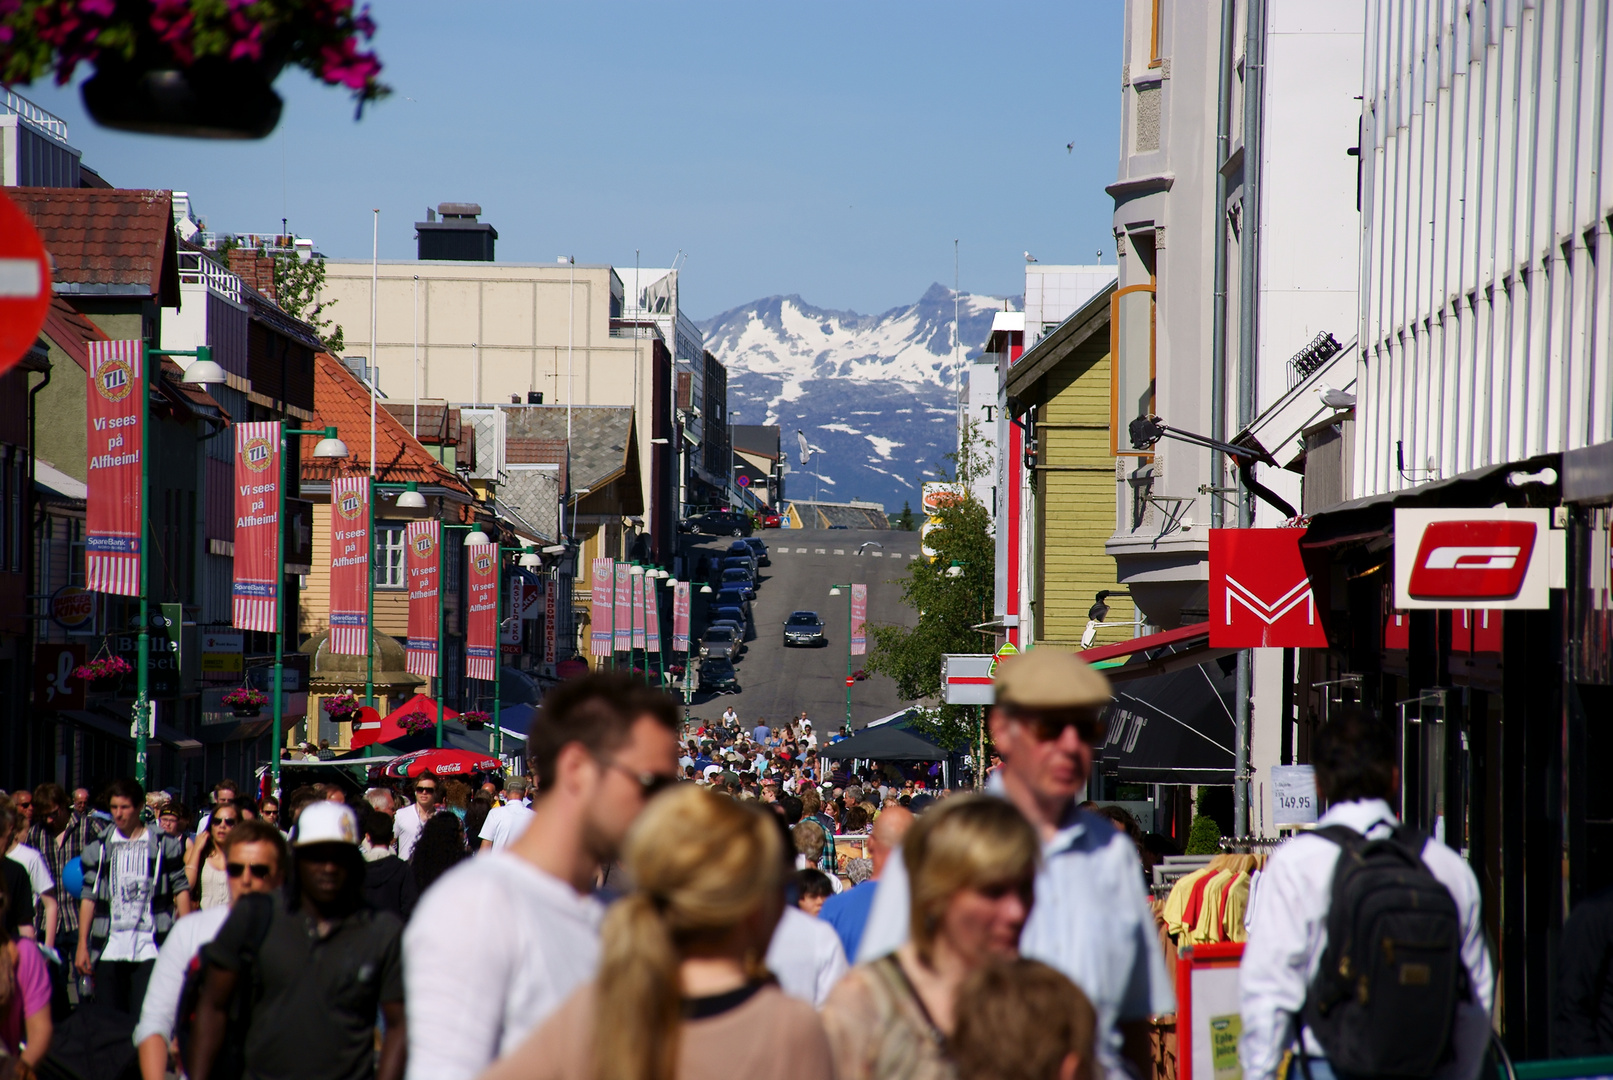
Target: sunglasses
{"x": 261, "y": 871}
{"x": 425, "y": 791}
{"x": 226, "y": 822}
{"x": 1048, "y": 726}
{"x": 649, "y": 783}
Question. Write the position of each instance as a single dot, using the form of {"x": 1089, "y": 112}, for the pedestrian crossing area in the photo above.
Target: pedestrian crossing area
{"x": 875, "y": 553}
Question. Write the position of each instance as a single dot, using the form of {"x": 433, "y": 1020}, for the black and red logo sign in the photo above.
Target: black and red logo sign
{"x": 1472, "y": 560}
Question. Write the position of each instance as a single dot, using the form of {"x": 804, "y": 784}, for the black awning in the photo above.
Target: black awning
{"x": 888, "y": 742}
{"x": 1175, "y": 728}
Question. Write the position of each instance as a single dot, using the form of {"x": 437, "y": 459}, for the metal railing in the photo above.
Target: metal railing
{"x": 197, "y": 269}
{"x": 52, "y": 125}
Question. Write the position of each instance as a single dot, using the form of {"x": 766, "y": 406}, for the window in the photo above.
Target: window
{"x": 1131, "y": 359}
{"x": 389, "y": 548}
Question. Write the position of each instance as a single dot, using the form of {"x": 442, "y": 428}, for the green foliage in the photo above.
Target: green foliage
{"x": 951, "y": 727}
{"x": 904, "y": 520}
{"x": 1204, "y": 838}
{"x": 297, "y": 284}
{"x": 948, "y": 607}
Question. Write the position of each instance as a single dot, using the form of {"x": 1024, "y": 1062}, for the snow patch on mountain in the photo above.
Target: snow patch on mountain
{"x": 811, "y": 369}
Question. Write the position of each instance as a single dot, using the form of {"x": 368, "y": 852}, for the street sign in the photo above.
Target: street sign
{"x": 966, "y": 678}
{"x": 744, "y": 481}
{"x": 1490, "y": 558}
{"x": 1260, "y": 593}
{"x": 850, "y": 679}
{"x": 1008, "y": 649}
{"x": 24, "y": 284}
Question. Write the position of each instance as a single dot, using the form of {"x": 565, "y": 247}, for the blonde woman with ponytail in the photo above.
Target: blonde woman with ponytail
{"x": 682, "y": 991}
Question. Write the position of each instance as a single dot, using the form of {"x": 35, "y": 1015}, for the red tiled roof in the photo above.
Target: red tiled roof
{"x": 341, "y": 399}
{"x": 107, "y": 237}
{"x": 71, "y": 330}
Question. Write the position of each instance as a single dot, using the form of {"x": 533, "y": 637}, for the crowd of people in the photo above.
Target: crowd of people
{"x": 662, "y": 899}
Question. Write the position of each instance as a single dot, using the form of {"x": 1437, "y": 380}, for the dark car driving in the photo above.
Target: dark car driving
{"x": 804, "y": 628}
{"x": 720, "y": 523}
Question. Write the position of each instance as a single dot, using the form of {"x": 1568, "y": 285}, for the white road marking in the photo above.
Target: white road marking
{"x": 840, "y": 551}
{"x": 798, "y": 551}
{"x": 822, "y": 552}
{"x": 876, "y": 554}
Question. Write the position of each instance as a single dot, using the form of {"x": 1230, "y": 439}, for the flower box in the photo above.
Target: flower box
{"x": 475, "y": 719}
{"x": 416, "y": 722}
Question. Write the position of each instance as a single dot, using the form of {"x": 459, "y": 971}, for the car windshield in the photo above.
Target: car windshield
{"x": 730, "y": 614}
{"x": 737, "y": 562}
{"x": 730, "y": 596}
{"x": 803, "y": 618}
{"x": 719, "y": 633}
{"x": 736, "y": 573}
{"x": 720, "y": 668}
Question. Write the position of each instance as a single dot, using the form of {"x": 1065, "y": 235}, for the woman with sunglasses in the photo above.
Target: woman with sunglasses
{"x": 205, "y": 867}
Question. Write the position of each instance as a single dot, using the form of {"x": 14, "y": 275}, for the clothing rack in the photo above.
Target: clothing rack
{"x": 1243, "y": 845}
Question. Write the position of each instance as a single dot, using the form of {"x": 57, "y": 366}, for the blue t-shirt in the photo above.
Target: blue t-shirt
{"x": 848, "y": 914}
{"x": 761, "y": 732}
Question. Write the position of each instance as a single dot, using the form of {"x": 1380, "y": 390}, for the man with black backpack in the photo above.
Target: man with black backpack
{"x": 1367, "y": 956}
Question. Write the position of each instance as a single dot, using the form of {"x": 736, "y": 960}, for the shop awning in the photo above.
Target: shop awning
{"x": 1155, "y": 654}
{"x": 1175, "y": 728}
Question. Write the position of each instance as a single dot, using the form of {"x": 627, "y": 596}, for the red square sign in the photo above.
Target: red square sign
{"x": 1260, "y": 595}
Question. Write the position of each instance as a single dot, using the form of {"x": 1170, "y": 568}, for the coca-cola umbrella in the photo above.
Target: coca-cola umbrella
{"x": 443, "y": 762}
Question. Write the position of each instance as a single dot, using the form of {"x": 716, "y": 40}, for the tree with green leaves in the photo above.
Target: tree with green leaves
{"x": 952, "y": 594}
{"x": 297, "y": 284}
{"x": 904, "y": 520}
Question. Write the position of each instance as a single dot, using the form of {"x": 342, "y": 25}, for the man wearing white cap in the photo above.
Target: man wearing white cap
{"x": 323, "y": 964}
{"x": 1091, "y": 918}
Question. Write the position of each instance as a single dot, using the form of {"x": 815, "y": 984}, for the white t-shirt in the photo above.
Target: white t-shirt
{"x": 505, "y": 823}
{"x": 161, "y": 1009}
{"x": 807, "y": 957}
{"x": 495, "y": 946}
{"x": 134, "y": 931}
{"x": 33, "y": 862}
{"x": 407, "y": 825}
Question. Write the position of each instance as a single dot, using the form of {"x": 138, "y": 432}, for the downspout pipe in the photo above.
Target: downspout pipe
{"x": 1218, "y": 332}
{"x": 1248, "y": 286}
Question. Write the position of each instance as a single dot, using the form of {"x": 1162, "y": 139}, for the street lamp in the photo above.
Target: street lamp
{"x": 410, "y": 498}
{"x": 834, "y": 590}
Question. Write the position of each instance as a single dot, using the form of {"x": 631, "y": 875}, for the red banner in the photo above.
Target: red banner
{"x": 642, "y": 584}
{"x": 257, "y": 526}
{"x": 114, "y": 409}
{"x": 600, "y": 632}
{"x": 859, "y": 620}
{"x": 652, "y": 616}
{"x": 1260, "y": 594}
{"x": 680, "y": 617}
{"x": 481, "y": 630}
{"x": 350, "y": 565}
{"x": 423, "y": 561}
{"x": 624, "y": 608}
{"x": 551, "y": 619}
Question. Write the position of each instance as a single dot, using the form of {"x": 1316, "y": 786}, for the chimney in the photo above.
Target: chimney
{"x": 254, "y": 268}
{"x": 458, "y": 236}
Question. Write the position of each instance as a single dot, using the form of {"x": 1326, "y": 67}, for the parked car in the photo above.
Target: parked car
{"x": 772, "y": 521}
{"x": 719, "y": 677}
{"x": 746, "y": 562}
{"x": 730, "y": 613}
{"x": 735, "y": 625}
{"x": 720, "y": 642}
{"x": 732, "y": 598}
{"x": 720, "y": 523}
{"x": 804, "y": 628}
{"x": 738, "y": 577}
{"x": 758, "y": 549}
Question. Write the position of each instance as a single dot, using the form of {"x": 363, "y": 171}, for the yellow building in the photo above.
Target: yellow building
{"x": 1061, "y": 388}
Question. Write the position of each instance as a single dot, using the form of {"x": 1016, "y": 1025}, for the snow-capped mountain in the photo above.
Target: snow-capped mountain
{"x": 876, "y": 393}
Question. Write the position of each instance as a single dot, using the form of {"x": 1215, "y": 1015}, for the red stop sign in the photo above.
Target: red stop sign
{"x": 24, "y": 284}
{"x": 849, "y": 680}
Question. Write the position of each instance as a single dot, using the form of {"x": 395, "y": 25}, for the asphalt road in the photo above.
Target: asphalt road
{"x": 777, "y": 683}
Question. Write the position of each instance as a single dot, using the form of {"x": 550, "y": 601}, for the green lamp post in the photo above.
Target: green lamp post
{"x": 834, "y": 590}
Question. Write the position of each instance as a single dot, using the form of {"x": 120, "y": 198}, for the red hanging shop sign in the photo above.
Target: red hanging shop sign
{"x": 1260, "y": 594}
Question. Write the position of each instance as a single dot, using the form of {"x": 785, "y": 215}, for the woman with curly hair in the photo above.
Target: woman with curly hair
{"x": 441, "y": 847}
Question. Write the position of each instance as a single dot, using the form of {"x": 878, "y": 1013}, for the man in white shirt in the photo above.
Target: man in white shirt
{"x": 255, "y": 858}
{"x": 411, "y": 820}
{"x": 1356, "y": 772}
{"x": 1091, "y": 919}
{"x": 505, "y": 823}
{"x": 806, "y": 955}
{"x": 500, "y": 941}
{"x": 44, "y": 885}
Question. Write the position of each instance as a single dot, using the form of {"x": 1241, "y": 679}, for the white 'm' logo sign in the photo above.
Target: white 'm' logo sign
{"x": 1466, "y": 558}
{"x": 1270, "y": 613}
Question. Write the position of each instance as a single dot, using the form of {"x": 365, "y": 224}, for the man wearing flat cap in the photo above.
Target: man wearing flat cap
{"x": 1091, "y": 918}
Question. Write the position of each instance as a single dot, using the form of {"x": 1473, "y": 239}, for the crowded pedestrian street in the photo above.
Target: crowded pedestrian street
{"x": 645, "y": 541}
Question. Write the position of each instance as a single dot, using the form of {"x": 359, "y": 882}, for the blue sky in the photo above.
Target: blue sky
{"x": 829, "y": 149}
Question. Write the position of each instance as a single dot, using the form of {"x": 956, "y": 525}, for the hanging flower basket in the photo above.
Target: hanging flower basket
{"x": 475, "y": 719}
{"x": 246, "y": 701}
{"x": 200, "y": 68}
{"x": 416, "y": 722}
{"x": 342, "y": 706}
{"x": 103, "y": 670}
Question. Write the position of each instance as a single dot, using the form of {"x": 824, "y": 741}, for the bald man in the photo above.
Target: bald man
{"x": 848, "y": 912}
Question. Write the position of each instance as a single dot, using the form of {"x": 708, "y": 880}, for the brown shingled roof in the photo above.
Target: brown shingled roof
{"x": 106, "y": 240}
{"x": 341, "y": 399}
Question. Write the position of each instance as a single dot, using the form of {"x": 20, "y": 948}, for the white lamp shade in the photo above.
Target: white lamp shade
{"x": 834, "y": 591}
{"x": 202, "y": 372}
{"x": 635, "y": 571}
{"x": 411, "y": 500}
{"x": 330, "y": 448}
{"x": 705, "y": 590}
{"x": 476, "y": 536}
{"x": 672, "y": 581}
{"x": 531, "y": 562}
